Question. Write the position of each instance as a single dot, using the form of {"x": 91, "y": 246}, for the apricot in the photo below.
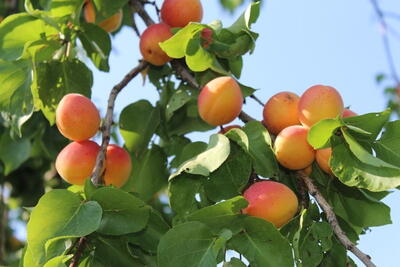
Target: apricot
{"x": 76, "y": 161}
{"x": 77, "y": 118}
{"x": 149, "y": 43}
{"x": 292, "y": 149}
{"x": 110, "y": 24}
{"x": 308, "y": 170}
{"x": 226, "y": 129}
{"x": 323, "y": 156}
{"x": 220, "y": 101}
{"x": 179, "y": 13}
{"x": 348, "y": 113}
{"x": 118, "y": 166}
{"x": 271, "y": 201}
{"x": 280, "y": 111}
{"x": 319, "y": 102}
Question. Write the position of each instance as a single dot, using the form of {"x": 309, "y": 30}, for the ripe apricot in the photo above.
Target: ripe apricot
{"x": 319, "y": 102}
{"x": 178, "y": 13}
{"x": 348, "y": 113}
{"x": 292, "y": 149}
{"x": 322, "y": 156}
{"x": 308, "y": 170}
{"x": 280, "y": 111}
{"x": 110, "y": 24}
{"x": 76, "y": 161}
{"x": 226, "y": 129}
{"x": 149, "y": 43}
{"x": 271, "y": 201}
{"x": 77, "y": 118}
{"x": 118, "y": 166}
{"x": 220, "y": 101}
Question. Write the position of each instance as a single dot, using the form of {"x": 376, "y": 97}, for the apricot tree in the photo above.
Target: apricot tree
{"x": 296, "y": 187}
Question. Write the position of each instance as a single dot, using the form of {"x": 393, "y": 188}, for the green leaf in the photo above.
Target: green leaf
{"x": 12, "y": 42}
{"x": 182, "y": 192}
{"x": 236, "y": 65}
{"x": 49, "y": 222}
{"x": 239, "y": 137}
{"x": 231, "y": 177}
{"x": 246, "y": 90}
{"x": 54, "y": 79}
{"x": 149, "y": 237}
{"x": 106, "y": 8}
{"x": 97, "y": 44}
{"x": 234, "y": 262}
{"x": 245, "y": 21}
{"x": 58, "y": 261}
{"x": 320, "y": 133}
{"x": 197, "y": 58}
{"x": 123, "y": 213}
{"x": 371, "y": 123}
{"x": 260, "y": 149}
{"x": 13, "y": 152}
{"x": 189, "y": 151}
{"x": 353, "y": 172}
{"x": 177, "y": 100}
{"x": 225, "y": 214}
{"x": 336, "y": 256}
{"x": 262, "y": 244}
{"x": 387, "y": 147}
{"x": 189, "y": 244}
{"x": 145, "y": 179}
{"x": 208, "y": 161}
{"x": 137, "y": 129}
{"x": 175, "y": 46}
{"x": 16, "y": 103}
{"x": 61, "y": 8}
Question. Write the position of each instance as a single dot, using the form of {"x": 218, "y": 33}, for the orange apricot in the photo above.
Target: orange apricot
{"x": 220, "y": 101}
{"x": 323, "y": 156}
{"x": 76, "y": 161}
{"x": 308, "y": 170}
{"x": 271, "y": 201}
{"x": 77, "y": 118}
{"x": 149, "y": 43}
{"x": 118, "y": 166}
{"x": 110, "y": 24}
{"x": 319, "y": 102}
{"x": 292, "y": 149}
{"x": 178, "y": 13}
{"x": 280, "y": 111}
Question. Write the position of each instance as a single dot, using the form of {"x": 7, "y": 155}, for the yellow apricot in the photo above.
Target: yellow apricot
{"x": 110, "y": 24}
{"x": 178, "y": 13}
{"x": 271, "y": 201}
{"x": 220, "y": 101}
{"x": 323, "y": 156}
{"x": 149, "y": 43}
{"x": 118, "y": 166}
{"x": 292, "y": 149}
{"x": 280, "y": 111}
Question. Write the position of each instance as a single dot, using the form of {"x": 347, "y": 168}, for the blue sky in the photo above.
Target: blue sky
{"x": 301, "y": 43}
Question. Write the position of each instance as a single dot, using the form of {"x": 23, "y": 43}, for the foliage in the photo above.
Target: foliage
{"x": 135, "y": 226}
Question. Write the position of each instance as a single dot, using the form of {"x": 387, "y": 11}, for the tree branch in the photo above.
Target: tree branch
{"x": 385, "y": 39}
{"x": 257, "y": 100}
{"x": 79, "y": 251}
{"x": 331, "y": 217}
{"x": 97, "y": 176}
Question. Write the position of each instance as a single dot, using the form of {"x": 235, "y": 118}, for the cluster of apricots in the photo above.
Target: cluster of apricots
{"x": 174, "y": 14}
{"x": 78, "y": 119}
{"x": 110, "y": 24}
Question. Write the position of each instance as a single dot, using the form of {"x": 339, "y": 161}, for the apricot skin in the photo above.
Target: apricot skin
{"x": 220, "y": 101}
{"x": 280, "y": 111}
{"x": 110, "y": 24}
{"x": 77, "y": 118}
{"x": 271, "y": 201}
{"x": 118, "y": 166}
{"x": 319, "y": 102}
{"x": 149, "y": 43}
{"x": 292, "y": 149}
{"x": 348, "y": 113}
{"x": 179, "y": 13}
{"x": 76, "y": 161}
{"x": 322, "y": 157}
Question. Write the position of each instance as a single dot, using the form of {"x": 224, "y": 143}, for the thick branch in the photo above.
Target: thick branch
{"x": 79, "y": 251}
{"x": 385, "y": 40}
{"x": 331, "y": 217}
{"x": 97, "y": 177}
{"x": 139, "y": 9}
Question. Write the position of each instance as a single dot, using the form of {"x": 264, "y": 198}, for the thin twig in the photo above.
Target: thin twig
{"x": 79, "y": 251}
{"x": 385, "y": 40}
{"x": 97, "y": 177}
{"x": 331, "y": 217}
{"x": 139, "y": 9}
{"x": 257, "y": 100}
